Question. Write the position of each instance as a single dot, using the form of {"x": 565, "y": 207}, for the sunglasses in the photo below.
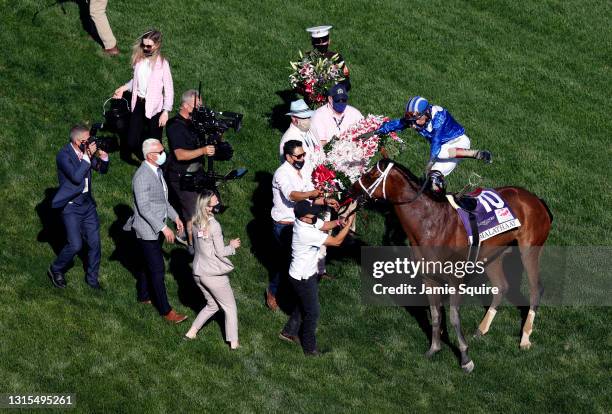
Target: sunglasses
{"x": 157, "y": 152}
{"x": 145, "y": 46}
{"x": 299, "y": 156}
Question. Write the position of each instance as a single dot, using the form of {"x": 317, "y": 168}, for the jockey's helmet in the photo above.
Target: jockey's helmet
{"x": 417, "y": 104}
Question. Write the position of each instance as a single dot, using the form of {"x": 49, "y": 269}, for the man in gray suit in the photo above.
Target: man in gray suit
{"x": 151, "y": 209}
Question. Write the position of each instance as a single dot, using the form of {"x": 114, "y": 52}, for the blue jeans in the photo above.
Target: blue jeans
{"x": 305, "y": 315}
{"x": 82, "y": 223}
{"x": 283, "y": 234}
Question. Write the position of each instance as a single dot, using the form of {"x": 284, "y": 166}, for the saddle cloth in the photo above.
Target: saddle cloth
{"x": 492, "y": 216}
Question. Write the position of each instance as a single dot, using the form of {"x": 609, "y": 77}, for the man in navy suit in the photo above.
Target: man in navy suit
{"x": 74, "y": 164}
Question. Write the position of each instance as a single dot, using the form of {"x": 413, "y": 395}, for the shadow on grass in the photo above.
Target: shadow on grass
{"x": 86, "y": 23}
{"x": 52, "y": 231}
{"x": 126, "y": 249}
{"x": 277, "y": 118}
{"x": 189, "y": 293}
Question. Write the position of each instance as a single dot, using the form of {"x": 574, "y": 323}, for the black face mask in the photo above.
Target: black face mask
{"x": 82, "y": 147}
{"x": 321, "y": 48}
{"x": 217, "y": 208}
{"x": 298, "y": 164}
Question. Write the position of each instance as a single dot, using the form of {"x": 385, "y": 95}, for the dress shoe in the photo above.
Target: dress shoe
{"x": 174, "y": 317}
{"x": 145, "y": 302}
{"x": 57, "y": 278}
{"x": 271, "y": 301}
{"x": 113, "y": 51}
{"x": 95, "y": 286}
{"x": 293, "y": 339}
{"x": 314, "y": 353}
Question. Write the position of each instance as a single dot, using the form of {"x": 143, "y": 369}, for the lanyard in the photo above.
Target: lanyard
{"x": 338, "y": 123}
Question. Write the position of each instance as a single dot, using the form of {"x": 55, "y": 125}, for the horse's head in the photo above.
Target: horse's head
{"x": 371, "y": 185}
{"x": 390, "y": 181}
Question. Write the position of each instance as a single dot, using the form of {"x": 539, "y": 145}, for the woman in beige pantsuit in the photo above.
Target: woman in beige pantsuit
{"x": 211, "y": 267}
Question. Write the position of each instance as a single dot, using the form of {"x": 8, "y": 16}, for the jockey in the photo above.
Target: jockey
{"x": 448, "y": 142}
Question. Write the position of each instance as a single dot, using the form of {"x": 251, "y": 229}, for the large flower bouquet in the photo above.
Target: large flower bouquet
{"x": 313, "y": 74}
{"x": 349, "y": 155}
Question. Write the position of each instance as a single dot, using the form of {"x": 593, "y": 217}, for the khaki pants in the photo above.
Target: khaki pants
{"x": 97, "y": 11}
{"x": 218, "y": 293}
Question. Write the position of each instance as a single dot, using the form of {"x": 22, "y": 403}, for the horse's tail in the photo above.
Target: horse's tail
{"x": 550, "y": 214}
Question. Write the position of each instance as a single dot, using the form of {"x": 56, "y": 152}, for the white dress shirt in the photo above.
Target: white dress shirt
{"x": 305, "y": 246}
{"x": 286, "y": 180}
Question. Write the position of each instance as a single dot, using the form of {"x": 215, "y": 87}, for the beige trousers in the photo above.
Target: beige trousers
{"x": 218, "y": 293}
{"x": 97, "y": 11}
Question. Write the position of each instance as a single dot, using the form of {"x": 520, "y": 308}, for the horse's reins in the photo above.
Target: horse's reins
{"x": 382, "y": 178}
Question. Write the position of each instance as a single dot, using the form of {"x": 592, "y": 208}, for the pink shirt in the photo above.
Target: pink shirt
{"x": 160, "y": 89}
{"x": 326, "y": 122}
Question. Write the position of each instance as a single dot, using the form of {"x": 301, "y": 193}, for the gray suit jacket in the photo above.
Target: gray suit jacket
{"x": 151, "y": 206}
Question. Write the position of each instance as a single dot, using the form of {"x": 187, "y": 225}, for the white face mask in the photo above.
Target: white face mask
{"x": 161, "y": 159}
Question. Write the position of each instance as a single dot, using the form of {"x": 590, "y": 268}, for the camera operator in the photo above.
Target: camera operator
{"x": 185, "y": 154}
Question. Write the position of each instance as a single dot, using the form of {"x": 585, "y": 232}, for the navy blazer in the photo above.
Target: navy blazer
{"x": 71, "y": 173}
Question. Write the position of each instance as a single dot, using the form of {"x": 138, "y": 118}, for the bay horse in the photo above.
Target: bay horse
{"x": 429, "y": 222}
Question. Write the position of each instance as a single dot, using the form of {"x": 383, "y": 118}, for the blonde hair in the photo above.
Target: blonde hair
{"x": 137, "y": 52}
{"x": 201, "y": 216}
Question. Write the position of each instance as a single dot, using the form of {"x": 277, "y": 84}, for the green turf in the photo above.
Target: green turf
{"x": 529, "y": 80}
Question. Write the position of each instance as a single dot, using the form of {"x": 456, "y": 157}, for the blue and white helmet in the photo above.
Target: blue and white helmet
{"x": 417, "y": 104}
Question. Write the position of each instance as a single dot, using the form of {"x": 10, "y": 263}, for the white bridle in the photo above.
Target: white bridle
{"x": 382, "y": 178}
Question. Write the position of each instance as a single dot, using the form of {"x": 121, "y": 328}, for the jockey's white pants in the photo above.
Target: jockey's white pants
{"x": 445, "y": 164}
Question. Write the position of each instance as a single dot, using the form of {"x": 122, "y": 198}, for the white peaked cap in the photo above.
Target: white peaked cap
{"x": 319, "y": 31}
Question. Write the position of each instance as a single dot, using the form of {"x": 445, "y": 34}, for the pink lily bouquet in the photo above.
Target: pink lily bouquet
{"x": 313, "y": 74}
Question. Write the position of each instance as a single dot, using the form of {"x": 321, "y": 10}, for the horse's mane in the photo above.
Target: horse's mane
{"x": 404, "y": 170}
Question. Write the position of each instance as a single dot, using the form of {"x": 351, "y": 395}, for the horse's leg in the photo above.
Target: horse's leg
{"x": 466, "y": 362}
{"x": 436, "y": 322}
{"x": 495, "y": 273}
{"x": 530, "y": 255}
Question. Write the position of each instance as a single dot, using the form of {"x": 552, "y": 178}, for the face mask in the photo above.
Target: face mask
{"x": 339, "y": 106}
{"x": 298, "y": 165}
{"x": 148, "y": 52}
{"x": 321, "y": 48}
{"x": 303, "y": 124}
{"x": 82, "y": 147}
{"x": 161, "y": 159}
{"x": 216, "y": 209}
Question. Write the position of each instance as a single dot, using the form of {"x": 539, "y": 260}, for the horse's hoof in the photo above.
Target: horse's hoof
{"x": 525, "y": 345}
{"x": 431, "y": 353}
{"x": 469, "y": 367}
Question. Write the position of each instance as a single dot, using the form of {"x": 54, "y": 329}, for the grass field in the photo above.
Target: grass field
{"x": 529, "y": 80}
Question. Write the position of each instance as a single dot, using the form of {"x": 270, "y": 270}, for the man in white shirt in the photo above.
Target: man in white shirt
{"x": 309, "y": 235}
{"x": 335, "y": 117}
{"x": 299, "y": 130}
{"x": 289, "y": 185}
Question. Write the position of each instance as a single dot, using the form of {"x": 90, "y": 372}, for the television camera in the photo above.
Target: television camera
{"x": 208, "y": 127}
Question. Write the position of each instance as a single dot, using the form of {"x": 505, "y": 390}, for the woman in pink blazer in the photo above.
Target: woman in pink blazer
{"x": 211, "y": 267}
{"x": 152, "y": 90}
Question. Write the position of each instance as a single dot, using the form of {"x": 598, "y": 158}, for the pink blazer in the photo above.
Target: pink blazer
{"x": 160, "y": 91}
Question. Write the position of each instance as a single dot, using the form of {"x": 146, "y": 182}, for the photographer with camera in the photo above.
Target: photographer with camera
{"x": 74, "y": 164}
{"x": 186, "y": 154}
